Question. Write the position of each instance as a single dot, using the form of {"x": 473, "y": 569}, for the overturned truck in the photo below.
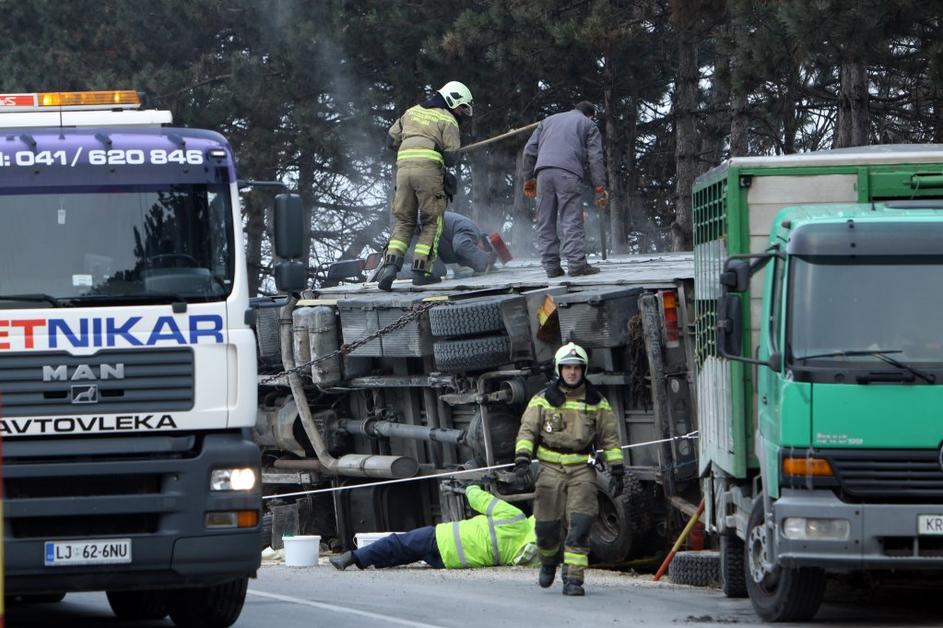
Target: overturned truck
{"x": 358, "y": 385}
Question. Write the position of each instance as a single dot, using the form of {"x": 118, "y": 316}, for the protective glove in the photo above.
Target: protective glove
{"x": 522, "y": 468}
{"x": 530, "y": 188}
{"x": 452, "y": 486}
{"x": 616, "y": 484}
{"x": 602, "y": 197}
{"x": 449, "y": 185}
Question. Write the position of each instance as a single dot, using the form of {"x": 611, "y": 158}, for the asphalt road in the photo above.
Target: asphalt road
{"x": 315, "y": 597}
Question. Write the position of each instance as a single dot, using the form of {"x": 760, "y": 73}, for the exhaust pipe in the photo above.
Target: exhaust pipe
{"x": 351, "y": 465}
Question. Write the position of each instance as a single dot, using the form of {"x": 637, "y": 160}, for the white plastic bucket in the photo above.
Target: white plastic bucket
{"x": 363, "y": 539}
{"x": 302, "y": 551}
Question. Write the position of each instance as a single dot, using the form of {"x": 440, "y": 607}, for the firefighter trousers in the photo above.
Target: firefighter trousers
{"x": 419, "y": 199}
{"x": 565, "y": 494}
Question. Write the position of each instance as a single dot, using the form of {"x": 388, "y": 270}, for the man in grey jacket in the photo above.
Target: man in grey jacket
{"x": 463, "y": 243}
{"x": 555, "y": 154}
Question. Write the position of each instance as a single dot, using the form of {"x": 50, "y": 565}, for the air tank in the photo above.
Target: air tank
{"x": 315, "y": 334}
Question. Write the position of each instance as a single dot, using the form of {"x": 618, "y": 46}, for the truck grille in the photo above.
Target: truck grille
{"x": 888, "y": 476}
{"x": 108, "y": 382}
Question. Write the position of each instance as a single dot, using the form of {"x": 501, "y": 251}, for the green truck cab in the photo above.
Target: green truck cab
{"x": 819, "y": 357}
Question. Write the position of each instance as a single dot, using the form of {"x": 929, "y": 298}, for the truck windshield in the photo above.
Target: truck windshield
{"x": 851, "y": 310}
{"x": 116, "y": 244}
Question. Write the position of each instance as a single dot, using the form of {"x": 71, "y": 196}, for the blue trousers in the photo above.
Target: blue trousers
{"x": 401, "y": 549}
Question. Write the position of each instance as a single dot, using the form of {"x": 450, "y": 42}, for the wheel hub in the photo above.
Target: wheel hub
{"x": 758, "y": 554}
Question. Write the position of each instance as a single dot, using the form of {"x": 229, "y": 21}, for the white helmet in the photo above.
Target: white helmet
{"x": 457, "y": 96}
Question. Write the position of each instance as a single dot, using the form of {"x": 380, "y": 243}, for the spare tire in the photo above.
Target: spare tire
{"x": 461, "y": 319}
{"x": 622, "y": 521}
{"x": 697, "y": 569}
{"x": 474, "y": 354}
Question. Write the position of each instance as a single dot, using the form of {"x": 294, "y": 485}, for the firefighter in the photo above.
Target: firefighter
{"x": 565, "y": 423}
{"x": 500, "y": 535}
{"x": 553, "y": 161}
{"x": 425, "y": 138}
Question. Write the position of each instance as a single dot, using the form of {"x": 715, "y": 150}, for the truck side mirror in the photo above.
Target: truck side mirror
{"x": 288, "y": 226}
{"x": 730, "y": 326}
{"x": 736, "y": 275}
{"x": 290, "y": 276}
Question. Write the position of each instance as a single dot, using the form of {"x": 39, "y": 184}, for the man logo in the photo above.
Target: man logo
{"x": 85, "y": 394}
{"x": 79, "y": 372}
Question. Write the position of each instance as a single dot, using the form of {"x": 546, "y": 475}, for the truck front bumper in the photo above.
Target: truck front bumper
{"x": 882, "y": 536}
{"x": 157, "y": 498}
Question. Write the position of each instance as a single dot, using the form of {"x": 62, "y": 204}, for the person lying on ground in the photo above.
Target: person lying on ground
{"x": 501, "y": 535}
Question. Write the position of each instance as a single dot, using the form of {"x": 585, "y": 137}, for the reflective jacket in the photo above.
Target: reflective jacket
{"x": 566, "y": 140}
{"x": 565, "y": 425}
{"x": 422, "y": 134}
{"x": 498, "y": 536}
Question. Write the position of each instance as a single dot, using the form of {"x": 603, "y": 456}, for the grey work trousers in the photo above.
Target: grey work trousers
{"x": 558, "y": 205}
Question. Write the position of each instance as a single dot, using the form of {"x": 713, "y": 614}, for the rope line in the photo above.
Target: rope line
{"x": 333, "y": 489}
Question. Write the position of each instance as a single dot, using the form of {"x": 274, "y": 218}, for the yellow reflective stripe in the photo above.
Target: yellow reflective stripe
{"x": 422, "y": 249}
{"x": 422, "y": 114}
{"x": 583, "y": 406}
{"x": 550, "y": 551}
{"x": 548, "y": 455}
{"x": 435, "y": 240}
{"x": 613, "y": 454}
{"x": 419, "y": 153}
{"x": 398, "y": 245}
{"x": 579, "y": 560}
{"x": 539, "y": 402}
{"x": 524, "y": 445}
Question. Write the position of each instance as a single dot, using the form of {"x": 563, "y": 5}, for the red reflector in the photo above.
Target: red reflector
{"x": 669, "y": 303}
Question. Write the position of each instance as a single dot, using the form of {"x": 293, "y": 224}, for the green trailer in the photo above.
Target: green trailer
{"x": 820, "y": 367}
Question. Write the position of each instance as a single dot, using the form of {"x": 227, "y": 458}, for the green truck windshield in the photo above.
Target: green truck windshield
{"x": 115, "y": 244}
{"x": 858, "y": 306}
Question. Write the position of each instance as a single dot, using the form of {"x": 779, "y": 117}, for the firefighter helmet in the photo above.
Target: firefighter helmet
{"x": 571, "y": 353}
{"x": 457, "y": 96}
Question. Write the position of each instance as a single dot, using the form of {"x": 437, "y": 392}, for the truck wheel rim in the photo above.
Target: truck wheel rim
{"x": 758, "y": 555}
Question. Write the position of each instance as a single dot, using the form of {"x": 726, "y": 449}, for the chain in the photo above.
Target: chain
{"x": 414, "y": 312}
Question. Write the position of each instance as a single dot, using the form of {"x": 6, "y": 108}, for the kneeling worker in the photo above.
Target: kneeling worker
{"x": 563, "y": 422}
{"x": 501, "y": 535}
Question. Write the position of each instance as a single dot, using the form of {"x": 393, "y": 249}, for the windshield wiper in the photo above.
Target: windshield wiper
{"x": 140, "y": 297}
{"x": 39, "y": 297}
{"x": 880, "y": 354}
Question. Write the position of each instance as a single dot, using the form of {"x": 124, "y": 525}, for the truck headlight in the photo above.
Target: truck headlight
{"x": 232, "y": 479}
{"x": 803, "y": 529}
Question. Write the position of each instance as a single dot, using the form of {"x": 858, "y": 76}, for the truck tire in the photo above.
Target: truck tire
{"x": 696, "y": 569}
{"x": 622, "y": 520}
{"x": 732, "y": 574}
{"x": 472, "y": 354}
{"x": 469, "y": 318}
{"x": 137, "y": 605}
{"x": 208, "y": 607}
{"x": 784, "y": 594}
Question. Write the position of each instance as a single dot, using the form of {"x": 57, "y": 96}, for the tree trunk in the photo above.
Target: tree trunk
{"x": 255, "y": 232}
{"x": 854, "y": 119}
{"x": 685, "y": 112}
{"x": 306, "y": 190}
{"x": 614, "y": 156}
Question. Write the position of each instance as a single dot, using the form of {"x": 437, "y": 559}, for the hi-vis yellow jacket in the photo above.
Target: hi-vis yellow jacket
{"x": 500, "y": 535}
{"x": 421, "y": 135}
{"x": 565, "y": 424}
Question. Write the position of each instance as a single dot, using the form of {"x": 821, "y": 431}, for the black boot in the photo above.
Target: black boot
{"x": 424, "y": 279}
{"x": 546, "y": 575}
{"x": 573, "y": 588}
{"x": 554, "y": 271}
{"x": 343, "y": 561}
{"x": 582, "y": 268}
{"x": 387, "y": 273}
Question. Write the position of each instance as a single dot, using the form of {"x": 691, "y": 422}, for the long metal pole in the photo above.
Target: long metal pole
{"x": 497, "y": 138}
